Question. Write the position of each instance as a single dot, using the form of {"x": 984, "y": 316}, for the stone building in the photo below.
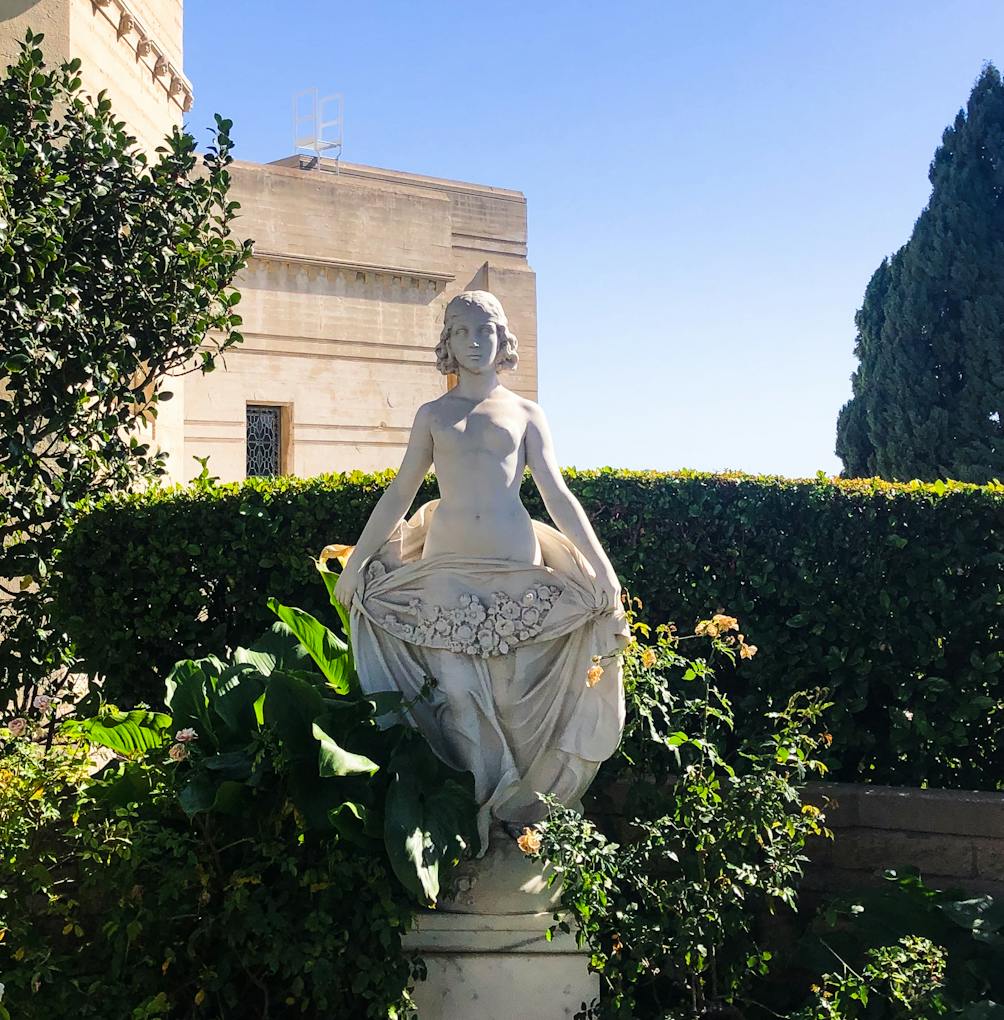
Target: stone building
{"x": 343, "y": 304}
{"x": 344, "y": 297}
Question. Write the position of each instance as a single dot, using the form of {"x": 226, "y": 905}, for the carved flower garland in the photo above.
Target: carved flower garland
{"x": 471, "y": 626}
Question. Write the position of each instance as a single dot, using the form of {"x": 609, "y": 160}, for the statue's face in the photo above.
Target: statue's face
{"x": 474, "y": 339}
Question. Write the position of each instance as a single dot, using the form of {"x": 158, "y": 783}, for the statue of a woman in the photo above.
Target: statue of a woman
{"x": 520, "y": 625}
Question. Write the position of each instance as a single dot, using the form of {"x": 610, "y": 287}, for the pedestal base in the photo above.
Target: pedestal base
{"x": 498, "y": 967}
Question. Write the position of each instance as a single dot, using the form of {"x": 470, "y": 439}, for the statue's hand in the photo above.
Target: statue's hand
{"x": 345, "y": 587}
{"x": 611, "y": 587}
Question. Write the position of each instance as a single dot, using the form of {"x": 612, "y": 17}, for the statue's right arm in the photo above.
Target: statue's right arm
{"x": 392, "y": 505}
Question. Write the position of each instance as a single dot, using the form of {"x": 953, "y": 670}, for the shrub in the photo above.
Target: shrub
{"x": 968, "y": 930}
{"x": 900, "y": 982}
{"x": 264, "y": 865}
{"x": 886, "y": 594}
{"x": 119, "y": 905}
{"x": 708, "y": 840}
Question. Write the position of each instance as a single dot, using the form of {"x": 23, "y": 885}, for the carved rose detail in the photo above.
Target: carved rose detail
{"x": 471, "y": 626}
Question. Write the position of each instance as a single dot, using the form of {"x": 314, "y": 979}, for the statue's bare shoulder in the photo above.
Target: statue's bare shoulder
{"x": 533, "y": 415}
{"x": 446, "y": 408}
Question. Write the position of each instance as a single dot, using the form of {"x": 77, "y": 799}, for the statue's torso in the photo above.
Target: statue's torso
{"x": 479, "y": 459}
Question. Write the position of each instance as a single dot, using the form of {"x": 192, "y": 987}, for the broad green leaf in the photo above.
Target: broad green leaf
{"x": 277, "y": 648}
{"x": 125, "y": 732}
{"x": 335, "y": 760}
{"x": 205, "y": 793}
{"x": 315, "y": 796}
{"x": 429, "y": 820}
{"x": 328, "y": 650}
{"x": 330, "y": 578}
{"x": 234, "y": 699}
{"x": 229, "y": 765}
{"x": 290, "y": 708}
{"x": 385, "y": 702}
{"x": 358, "y": 823}
{"x": 187, "y": 699}
{"x": 131, "y": 785}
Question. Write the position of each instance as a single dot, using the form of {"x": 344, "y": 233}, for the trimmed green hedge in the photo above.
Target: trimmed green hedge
{"x": 888, "y": 594}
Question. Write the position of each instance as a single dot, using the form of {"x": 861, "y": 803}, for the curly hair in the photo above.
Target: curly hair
{"x": 507, "y": 357}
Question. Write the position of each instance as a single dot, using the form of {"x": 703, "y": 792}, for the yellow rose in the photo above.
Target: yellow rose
{"x": 748, "y": 651}
{"x": 706, "y": 628}
{"x": 529, "y": 842}
{"x": 593, "y": 675}
{"x": 648, "y": 658}
{"x": 724, "y": 623}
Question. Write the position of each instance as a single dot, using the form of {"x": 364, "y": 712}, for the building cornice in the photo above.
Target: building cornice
{"x": 344, "y": 265}
{"x": 131, "y": 32}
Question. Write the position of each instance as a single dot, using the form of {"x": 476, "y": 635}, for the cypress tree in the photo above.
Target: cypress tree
{"x": 929, "y": 388}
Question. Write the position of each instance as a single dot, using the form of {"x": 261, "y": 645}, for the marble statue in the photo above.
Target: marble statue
{"x": 519, "y": 624}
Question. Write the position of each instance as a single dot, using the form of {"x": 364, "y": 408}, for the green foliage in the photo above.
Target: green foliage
{"x": 118, "y": 905}
{"x": 887, "y": 594}
{"x": 122, "y": 732}
{"x": 296, "y": 734}
{"x": 265, "y": 864}
{"x": 900, "y": 982}
{"x": 968, "y": 931}
{"x": 115, "y": 272}
{"x": 927, "y": 391}
{"x": 709, "y": 838}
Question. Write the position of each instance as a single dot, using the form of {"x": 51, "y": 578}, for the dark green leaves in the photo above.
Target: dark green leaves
{"x": 890, "y": 628}
{"x": 271, "y": 726}
{"x": 429, "y": 820}
{"x": 927, "y": 391}
{"x": 93, "y": 317}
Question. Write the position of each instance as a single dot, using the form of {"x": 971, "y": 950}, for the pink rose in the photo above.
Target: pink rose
{"x": 186, "y": 735}
{"x": 178, "y": 752}
{"x": 17, "y": 727}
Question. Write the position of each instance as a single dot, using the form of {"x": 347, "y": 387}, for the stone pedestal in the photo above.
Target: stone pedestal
{"x": 499, "y": 967}
{"x": 486, "y": 951}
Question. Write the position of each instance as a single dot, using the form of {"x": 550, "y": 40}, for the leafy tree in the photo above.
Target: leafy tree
{"x": 115, "y": 272}
{"x": 929, "y": 390}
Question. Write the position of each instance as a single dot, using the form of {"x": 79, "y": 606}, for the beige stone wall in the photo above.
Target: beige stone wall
{"x": 135, "y": 55}
{"x": 130, "y": 48}
{"x": 50, "y": 17}
{"x": 343, "y": 305}
{"x": 954, "y": 837}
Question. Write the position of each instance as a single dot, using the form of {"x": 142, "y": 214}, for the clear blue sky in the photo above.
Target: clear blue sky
{"x": 710, "y": 184}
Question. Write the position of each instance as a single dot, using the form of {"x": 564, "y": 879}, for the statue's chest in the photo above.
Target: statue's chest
{"x": 479, "y": 433}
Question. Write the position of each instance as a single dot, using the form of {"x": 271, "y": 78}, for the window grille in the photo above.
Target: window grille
{"x": 263, "y": 441}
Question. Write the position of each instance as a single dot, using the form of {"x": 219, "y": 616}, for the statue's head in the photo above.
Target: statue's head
{"x": 475, "y": 317}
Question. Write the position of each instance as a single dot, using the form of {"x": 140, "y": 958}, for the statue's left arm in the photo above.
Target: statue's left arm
{"x": 565, "y": 510}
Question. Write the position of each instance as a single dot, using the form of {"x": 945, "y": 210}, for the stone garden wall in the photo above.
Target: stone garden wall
{"x": 955, "y": 838}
